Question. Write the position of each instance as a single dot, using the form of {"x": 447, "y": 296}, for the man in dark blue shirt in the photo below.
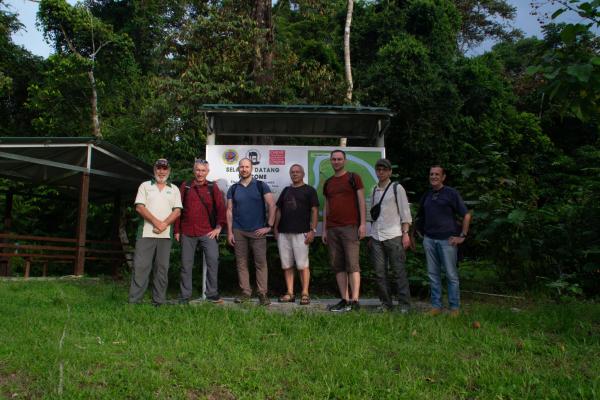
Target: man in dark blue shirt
{"x": 248, "y": 222}
{"x": 439, "y": 210}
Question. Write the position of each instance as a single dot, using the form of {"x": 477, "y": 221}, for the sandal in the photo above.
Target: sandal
{"x": 304, "y": 300}
{"x": 287, "y": 298}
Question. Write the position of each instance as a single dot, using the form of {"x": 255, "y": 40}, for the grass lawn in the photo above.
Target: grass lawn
{"x": 65, "y": 339}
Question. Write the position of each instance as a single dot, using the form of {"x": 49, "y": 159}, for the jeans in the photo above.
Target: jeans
{"x": 390, "y": 250}
{"x": 441, "y": 255}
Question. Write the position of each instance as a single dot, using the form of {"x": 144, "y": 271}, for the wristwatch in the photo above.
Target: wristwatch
{"x": 462, "y": 235}
{"x": 314, "y": 230}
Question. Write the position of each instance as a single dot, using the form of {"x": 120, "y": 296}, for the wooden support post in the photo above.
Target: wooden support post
{"x": 82, "y": 223}
{"x": 27, "y": 267}
{"x": 115, "y": 232}
{"x": 4, "y": 263}
{"x": 45, "y": 269}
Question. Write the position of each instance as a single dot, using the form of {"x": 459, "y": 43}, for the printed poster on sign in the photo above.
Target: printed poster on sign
{"x": 271, "y": 164}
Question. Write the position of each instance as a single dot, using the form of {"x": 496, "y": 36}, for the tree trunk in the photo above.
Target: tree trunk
{"x": 94, "y": 104}
{"x": 263, "y": 44}
{"x": 263, "y": 53}
{"x": 347, "y": 63}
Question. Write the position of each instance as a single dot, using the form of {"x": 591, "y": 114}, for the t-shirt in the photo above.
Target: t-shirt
{"x": 440, "y": 209}
{"x": 342, "y": 203}
{"x": 160, "y": 203}
{"x": 295, "y": 204}
{"x": 248, "y": 205}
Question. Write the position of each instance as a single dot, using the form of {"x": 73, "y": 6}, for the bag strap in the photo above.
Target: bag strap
{"x": 383, "y": 195}
{"x": 282, "y": 196}
{"x": 212, "y": 211}
{"x": 396, "y": 197}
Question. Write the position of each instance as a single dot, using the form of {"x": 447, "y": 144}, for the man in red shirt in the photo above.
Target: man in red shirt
{"x": 200, "y": 223}
{"x": 344, "y": 225}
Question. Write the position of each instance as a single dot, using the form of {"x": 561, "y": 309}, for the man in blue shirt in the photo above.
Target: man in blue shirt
{"x": 439, "y": 209}
{"x": 248, "y": 223}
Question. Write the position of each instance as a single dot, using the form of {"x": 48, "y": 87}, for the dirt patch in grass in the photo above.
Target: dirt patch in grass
{"x": 212, "y": 393}
{"x": 13, "y": 385}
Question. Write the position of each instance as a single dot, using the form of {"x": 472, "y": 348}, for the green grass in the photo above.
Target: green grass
{"x": 113, "y": 350}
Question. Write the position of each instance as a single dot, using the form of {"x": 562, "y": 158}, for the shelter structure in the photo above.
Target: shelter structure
{"x": 296, "y": 121}
{"x": 352, "y": 122}
{"x": 80, "y": 168}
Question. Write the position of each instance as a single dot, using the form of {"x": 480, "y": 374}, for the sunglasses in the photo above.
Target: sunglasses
{"x": 162, "y": 167}
{"x": 200, "y": 161}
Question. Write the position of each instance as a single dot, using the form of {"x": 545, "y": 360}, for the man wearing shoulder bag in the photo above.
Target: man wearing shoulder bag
{"x": 391, "y": 219}
{"x": 200, "y": 224}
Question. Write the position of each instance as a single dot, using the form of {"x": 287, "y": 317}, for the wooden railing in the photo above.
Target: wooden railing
{"x": 47, "y": 249}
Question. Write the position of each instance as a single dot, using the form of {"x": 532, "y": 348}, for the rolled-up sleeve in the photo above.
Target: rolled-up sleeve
{"x": 403, "y": 206}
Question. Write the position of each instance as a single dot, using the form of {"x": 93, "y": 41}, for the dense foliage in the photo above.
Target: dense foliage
{"x": 517, "y": 128}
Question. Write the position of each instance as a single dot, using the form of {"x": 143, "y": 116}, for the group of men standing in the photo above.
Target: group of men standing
{"x": 198, "y": 213}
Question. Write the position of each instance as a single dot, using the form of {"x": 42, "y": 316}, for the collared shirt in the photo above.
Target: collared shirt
{"x": 440, "y": 209}
{"x": 160, "y": 203}
{"x": 194, "y": 220}
{"x": 393, "y": 215}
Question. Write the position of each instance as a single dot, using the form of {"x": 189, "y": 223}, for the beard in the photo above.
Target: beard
{"x": 161, "y": 180}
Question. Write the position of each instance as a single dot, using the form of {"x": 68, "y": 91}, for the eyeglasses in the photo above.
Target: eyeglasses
{"x": 435, "y": 195}
{"x": 200, "y": 161}
{"x": 161, "y": 167}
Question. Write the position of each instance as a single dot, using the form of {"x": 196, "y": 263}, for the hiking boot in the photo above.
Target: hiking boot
{"x": 342, "y": 306}
{"x": 242, "y": 299}
{"x": 384, "y": 308}
{"x": 434, "y": 311}
{"x": 263, "y": 299}
{"x": 215, "y": 299}
{"x": 354, "y": 305}
{"x": 454, "y": 312}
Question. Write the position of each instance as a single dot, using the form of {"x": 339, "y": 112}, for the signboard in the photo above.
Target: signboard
{"x": 272, "y": 164}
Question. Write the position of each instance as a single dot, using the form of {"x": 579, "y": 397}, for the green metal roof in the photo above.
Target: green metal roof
{"x": 297, "y": 120}
{"x": 59, "y": 162}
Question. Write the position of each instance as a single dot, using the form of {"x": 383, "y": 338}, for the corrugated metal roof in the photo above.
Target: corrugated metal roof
{"x": 59, "y": 162}
{"x": 297, "y": 120}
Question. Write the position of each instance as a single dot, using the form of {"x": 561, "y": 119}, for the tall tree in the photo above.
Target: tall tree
{"x": 79, "y": 36}
{"x": 483, "y": 20}
{"x": 18, "y": 69}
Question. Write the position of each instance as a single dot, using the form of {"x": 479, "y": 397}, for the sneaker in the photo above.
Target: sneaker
{"x": 215, "y": 299}
{"x": 354, "y": 305}
{"x": 263, "y": 299}
{"x": 434, "y": 311}
{"x": 242, "y": 299}
{"x": 342, "y": 306}
{"x": 404, "y": 310}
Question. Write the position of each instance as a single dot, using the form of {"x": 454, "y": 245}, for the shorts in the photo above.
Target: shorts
{"x": 344, "y": 248}
{"x": 293, "y": 249}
